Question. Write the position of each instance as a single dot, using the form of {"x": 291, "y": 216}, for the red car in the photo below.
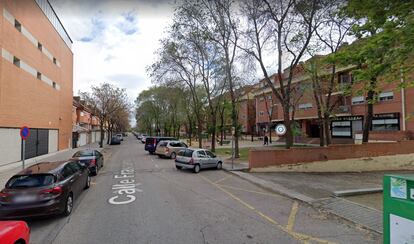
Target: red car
{"x": 14, "y": 232}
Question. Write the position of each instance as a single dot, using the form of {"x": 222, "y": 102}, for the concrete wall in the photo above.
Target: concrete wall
{"x": 10, "y": 149}
{"x": 53, "y": 141}
{"x": 274, "y": 157}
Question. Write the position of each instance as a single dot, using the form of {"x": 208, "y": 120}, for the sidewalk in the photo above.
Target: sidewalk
{"x": 317, "y": 189}
{"x": 8, "y": 170}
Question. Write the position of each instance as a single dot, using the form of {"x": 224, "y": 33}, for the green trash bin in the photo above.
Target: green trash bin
{"x": 399, "y": 209}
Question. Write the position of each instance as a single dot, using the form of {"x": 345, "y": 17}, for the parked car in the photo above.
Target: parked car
{"x": 14, "y": 232}
{"x": 143, "y": 138}
{"x": 169, "y": 149}
{"x": 115, "y": 141}
{"x": 120, "y": 137}
{"x": 44, "y": 189}
{"x": 197, "y": 159}
{"x": 92, "y": 159}
{"x": 152, "y": 142}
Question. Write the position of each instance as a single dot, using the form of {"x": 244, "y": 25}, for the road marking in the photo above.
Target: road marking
{"x": 252, "y": 191}
{"x": 156, "y": 166}
{"x": 93, "y": 183}
{"x": 292, "y": 216}
{"x": 222, "y": 179}
{"x": 126, "y": 188}
{"x": 298, "y": 236}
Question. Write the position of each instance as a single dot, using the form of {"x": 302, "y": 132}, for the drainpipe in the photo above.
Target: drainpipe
{"x": 403, "y": 102}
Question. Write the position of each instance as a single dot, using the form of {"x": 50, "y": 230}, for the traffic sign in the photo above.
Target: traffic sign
{"x": 24, "y": 132}
{"x": 280, "y": 129}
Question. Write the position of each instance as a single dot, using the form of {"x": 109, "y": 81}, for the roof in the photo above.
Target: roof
{"x": 44, "y": 167}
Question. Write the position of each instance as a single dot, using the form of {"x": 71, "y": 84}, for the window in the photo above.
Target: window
{"x": 344, "y": 78}
{"x": 54, "y": 84}
{"x": 39, "y": 46}
{"x": 261, "y": 99}
{"x": 66, "y": 171}
{"x": 341, "y": 128}
{"x": 39, "y": 75}
{"x": 358, "y": 100}
{"x": 17, "y": 25}
{"x": 201, "y": 154}
{"x": 188, "y": 153}
{"x": 386, "y": 96}
{"x": 269, "y": 97}
{"x": 81, "y": 114}
{"x": 261, "y": 113}
{"x": 33, "y": 180}
{"x": 305, "y": 106}
{"x": 210, "y": 154}
{"x": 74, "y": 166}
{"x": 16, "y": 61}
{"x": 54, "y": 60}
{"x": 387, "y": 122}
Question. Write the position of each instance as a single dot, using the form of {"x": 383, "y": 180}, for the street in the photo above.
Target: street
{"x": 170, "y": 206}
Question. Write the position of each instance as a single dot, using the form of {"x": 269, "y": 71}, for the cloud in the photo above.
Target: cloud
{"x": 98, "y": 26}
{"x": 128, "y": 25}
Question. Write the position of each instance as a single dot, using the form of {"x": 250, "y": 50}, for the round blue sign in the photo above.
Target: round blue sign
{"x": 24, "y": 132}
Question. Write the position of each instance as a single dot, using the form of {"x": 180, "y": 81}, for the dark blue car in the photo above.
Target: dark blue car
{"x": 152, "y": 142}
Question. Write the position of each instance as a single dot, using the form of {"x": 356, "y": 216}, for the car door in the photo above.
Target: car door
{"x": 202, "y": 158}
{"x": 212, "y": 162}
{"x": 77, "y": 176}
{"x": 68, "y": 179}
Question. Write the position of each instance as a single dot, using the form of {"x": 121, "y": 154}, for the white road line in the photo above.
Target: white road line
{"x": 156, "y": 166}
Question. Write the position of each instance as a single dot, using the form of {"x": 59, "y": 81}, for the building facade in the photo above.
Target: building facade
{"x": 393, "y": 111}
{"x": 36, "y": 80}
{"x": 85, "y": 125}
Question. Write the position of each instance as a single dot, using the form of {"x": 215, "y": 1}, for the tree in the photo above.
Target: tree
{"x": 385, "y": 33}
{"x": 286, "y": 26}
{"x": 106, "y": 101}
{"x": 331, "y": 35}
{"x": 222, "y": 24}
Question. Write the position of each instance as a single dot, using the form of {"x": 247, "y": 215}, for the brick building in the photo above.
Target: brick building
{"x": 36, "y": 79}
{"x": 85, "y": 125}
{"x": 392, "y": 113}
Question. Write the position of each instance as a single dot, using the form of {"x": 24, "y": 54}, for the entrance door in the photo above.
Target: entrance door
{"x": 37, "y": 143}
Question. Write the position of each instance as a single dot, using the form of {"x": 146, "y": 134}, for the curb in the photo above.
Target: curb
{"x": 279, "y": 189}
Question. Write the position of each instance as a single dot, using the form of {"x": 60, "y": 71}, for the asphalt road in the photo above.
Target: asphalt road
{"x": 165, "y": 205}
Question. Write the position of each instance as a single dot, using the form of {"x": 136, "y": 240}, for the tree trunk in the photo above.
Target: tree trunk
{"x": 321, "y": 132}
{"x": 289, "y": 134}
{"x": 370, "y": 110}
{"x": 213, "y": 135}
{"x": 199, "y": 134}
{"x": 102, "y": 134}
{"x": 269, "y": 127}
{"x": 326, "y": 125}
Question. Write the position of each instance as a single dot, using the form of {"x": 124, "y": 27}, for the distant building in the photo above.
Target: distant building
{"x": 85, "y": 125}
{"x": 36, "y": 80}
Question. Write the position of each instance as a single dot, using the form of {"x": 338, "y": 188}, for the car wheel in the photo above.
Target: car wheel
{"x": 68, "y": 205}
{"x": 219, "y": 165}
{"x": 88, "y": 182}
{"x": 178, "y": 167}
{"x": 173, "y": 155}
{"x": 196, "y": 168}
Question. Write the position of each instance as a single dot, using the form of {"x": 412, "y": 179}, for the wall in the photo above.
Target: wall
{"x": 53, "y": 141}
{"x": 10, "y": 150}
{"x": 25, "y": 99}
{"x": 272, "y": 157}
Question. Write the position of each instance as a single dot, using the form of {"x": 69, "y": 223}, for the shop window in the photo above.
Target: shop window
{"x": 386, "y": 122}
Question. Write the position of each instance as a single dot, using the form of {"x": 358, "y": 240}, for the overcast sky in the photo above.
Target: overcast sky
{"x": 113, "y": 41}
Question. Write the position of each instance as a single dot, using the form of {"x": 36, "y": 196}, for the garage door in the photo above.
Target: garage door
{"x": 37, "y": 143}
{"x": 82, "y": 139}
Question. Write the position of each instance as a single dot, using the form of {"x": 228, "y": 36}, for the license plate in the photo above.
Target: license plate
{"x": 24, "y": 198}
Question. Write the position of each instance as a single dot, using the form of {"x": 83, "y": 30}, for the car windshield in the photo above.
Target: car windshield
{"x": 83, "y": 154}
{"x": 27, "y": 181}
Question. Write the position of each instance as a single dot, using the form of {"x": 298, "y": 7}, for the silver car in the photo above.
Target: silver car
{"x": 197, "y": 159}
{"x": 169, "y": 149}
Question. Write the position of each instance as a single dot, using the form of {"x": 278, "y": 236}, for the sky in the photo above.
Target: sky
{"x": 114, "y": 40}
